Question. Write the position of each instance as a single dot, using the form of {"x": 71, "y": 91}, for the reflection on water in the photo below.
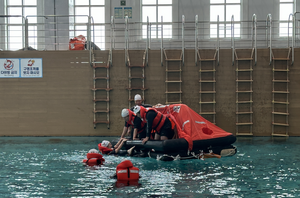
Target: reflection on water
{"x": 51, "y": 167}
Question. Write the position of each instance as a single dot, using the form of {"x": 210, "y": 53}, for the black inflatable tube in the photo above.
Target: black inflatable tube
{"x": 174, "y": 145}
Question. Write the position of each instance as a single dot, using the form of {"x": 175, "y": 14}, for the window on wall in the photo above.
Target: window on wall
{"x": 155, "y": 10}
{"x": 78, "y": 24}
{"x": 14, "y": 30}
{"x": 286, "y": 7}
{"x": 225, "y": 9}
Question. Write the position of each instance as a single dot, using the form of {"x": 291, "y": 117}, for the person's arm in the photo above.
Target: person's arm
{"x": 120, "y": 146}
{"x": 119, "y": 142}
{"x": 137, "y": 125}
{"x": 124, "y": 130}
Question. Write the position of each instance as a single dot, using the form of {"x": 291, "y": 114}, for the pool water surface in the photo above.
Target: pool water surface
{"x": 51, "y": 167}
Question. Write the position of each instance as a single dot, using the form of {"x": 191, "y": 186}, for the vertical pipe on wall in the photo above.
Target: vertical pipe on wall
{"x": 196, "y": 39}
{"x": 182, "y": 35}
{"x": 161, "y": 42}
{"x": 218, "y": 39}
{"x": 232, "y": 39}
{"x": 26, "y": 34}
{"x": 254, "y": 37}
{"x": 269, "y": 20}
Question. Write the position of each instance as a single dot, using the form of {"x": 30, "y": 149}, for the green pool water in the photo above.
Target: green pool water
{"x": 51, "y": 167}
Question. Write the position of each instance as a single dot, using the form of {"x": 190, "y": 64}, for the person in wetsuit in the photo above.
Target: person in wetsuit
{"x": 155, "y": 121}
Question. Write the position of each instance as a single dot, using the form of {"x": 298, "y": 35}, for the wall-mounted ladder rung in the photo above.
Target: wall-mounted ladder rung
{"x": 244, "y": 123}
{"x": 174, "y": 81}
{"x": 174, "y": 60}
{"x": 281, "y": 124}
{"x": 173, "y": 92}
{"x": 280, "y": 81}
{"x": 208, "y": 102}
{"x": 280, "y": 102}
{"x": 101, "y": 89}
{"x": 240, "y": 112}
{"x": 207, "y": 92}
{"x": 281, "y": 113}
{"x": 280, "y": 135}
{"x": 281, "y": 92}
{"x": 173, "y": 70}
{"x": 207, "y": 70}
{"x": 101, "y": 78}
{"x": 207, "y": 113}
{"x": 244, "y": 70}
{"x": 281, "y": 59}
{"x": 281, "y": 70}
{"x": 244, "y": 134}
{"x": 101, "y": 122}
{"x": 245, "y": 91}
{"x": 207, "y": 81}
{"x": 244, "y": 59}
{"x": 244, "y": 80}
{"x": 101, "y": 111}
{"x": 101, "y": 100}
{"x": 207, "y": 60}
{"x": 137, "y": 77}
{"x": 243, "y": 102}
{"x": 174, "y": 102}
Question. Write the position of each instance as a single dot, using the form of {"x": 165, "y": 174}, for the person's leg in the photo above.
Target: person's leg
{"x": 157, "y": 136}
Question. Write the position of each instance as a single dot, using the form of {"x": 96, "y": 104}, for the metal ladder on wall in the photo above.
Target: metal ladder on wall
{"x": 244, "y": 93}
{"x": 136, "y": 77}
{"x": 243, "y": 60}
{"x": 136, "y": 66}
{"x": 280, "y": 94}
{"x": 173, "y": 76}
{"x": 101, "y": 62}
{"x": 208, "y": 59}
{"x": 207, "y": 82}
{"x": 280, "y": 80}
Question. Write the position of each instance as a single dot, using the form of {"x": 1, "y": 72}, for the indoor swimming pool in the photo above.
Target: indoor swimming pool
{"x": 51, "y": 167}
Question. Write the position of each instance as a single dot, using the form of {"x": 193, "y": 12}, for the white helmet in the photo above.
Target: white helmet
{"x": 137, "y": 97}
{"x": 136, "y": 109}
{"x": 124, "y": 113}
{"x": 93, "y": 151}
{"x": 105, "y": 143}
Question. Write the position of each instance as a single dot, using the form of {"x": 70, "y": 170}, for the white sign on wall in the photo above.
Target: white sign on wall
{"x": 9, "y": 68}
{"x": 21, "y": 67}
{"x": 31, "y": 68}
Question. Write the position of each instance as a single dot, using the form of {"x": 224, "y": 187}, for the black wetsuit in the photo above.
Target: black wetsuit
{"x": 137, "y": 124}
{"x": 166, "y": 129}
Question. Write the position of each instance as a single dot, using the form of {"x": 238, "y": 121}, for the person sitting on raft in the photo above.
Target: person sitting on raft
{"x": 155, "y": 121}
{"x": 106, "y": 148}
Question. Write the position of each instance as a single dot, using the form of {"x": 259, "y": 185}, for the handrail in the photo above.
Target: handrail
{"x": 182, "y": 37}
{"x": 112, "y": 37}
{"x": 161, "y": 43}
{"x": 293, "y": 35}
{"x": 147, "y": 41}
{"x": 218, "y": 39}
{"x": 196, "y": 40}
{"x": 126, "y": 40}
{"x": 232, "y": 39}
{"x": 269, "y": 18}
{"x": 254, "y": 37}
